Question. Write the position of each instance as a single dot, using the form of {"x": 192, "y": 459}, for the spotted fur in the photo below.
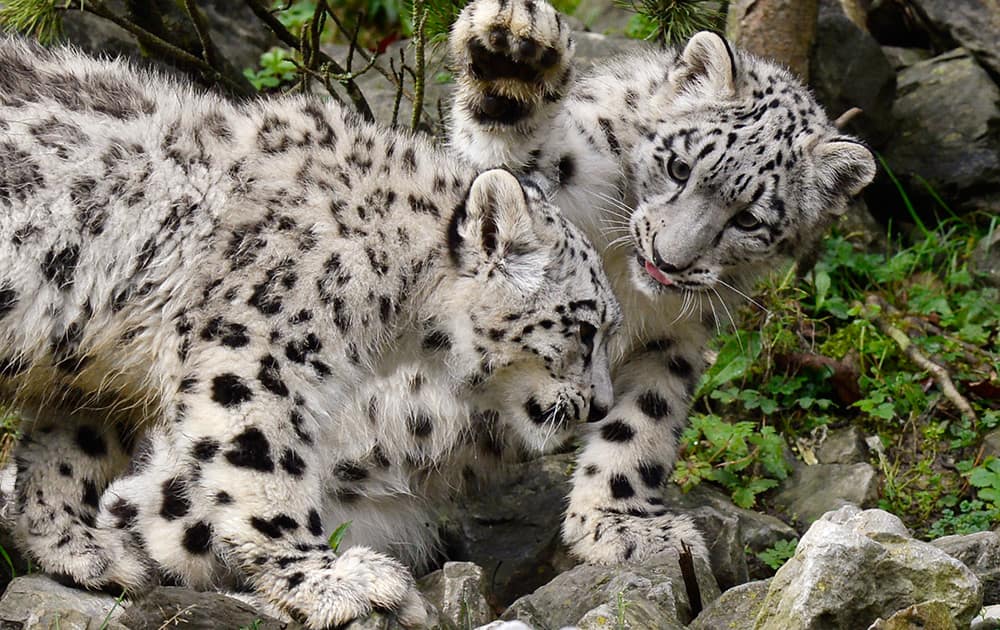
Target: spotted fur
{"x": 693, "y": 171}
{"x": 200, "y": 304}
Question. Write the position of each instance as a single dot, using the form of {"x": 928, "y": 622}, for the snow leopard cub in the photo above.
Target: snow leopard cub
{"x": 693, "y": 171}
{"x": 194, "y": 296}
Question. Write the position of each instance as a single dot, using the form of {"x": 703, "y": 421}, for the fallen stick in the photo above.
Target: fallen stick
{"x": 940, "y": 375}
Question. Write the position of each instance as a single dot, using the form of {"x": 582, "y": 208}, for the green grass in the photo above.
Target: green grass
{"x": 775, "y": 381}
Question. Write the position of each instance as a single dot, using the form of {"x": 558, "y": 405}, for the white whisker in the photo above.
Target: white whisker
{"x": 732, "y": 321}
{"x": 744, "y": 296}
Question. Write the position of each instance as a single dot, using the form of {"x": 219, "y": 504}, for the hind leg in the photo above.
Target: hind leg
{"x": 64, "y": 463}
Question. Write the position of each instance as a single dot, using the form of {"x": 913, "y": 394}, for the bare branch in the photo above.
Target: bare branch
{"x": 847, "y": 117}
{"x": 353, "y": 91}
{"x": 874, "y": 306}
{"x": 201, "y": 27}
{"x": 160, "y": 45}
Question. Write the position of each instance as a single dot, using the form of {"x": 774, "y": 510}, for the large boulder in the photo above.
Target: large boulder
{"x": 733, "y": 535}
{"x": 853, "y": 567}
{"x": 972, "y": 24}
{"x": 849, "y": 69}
{"x": 981, "y": 553}
{"x": 35, "y": 602}
{"x": 812, "y": 491}
{"x": 510, "y": 526}
{"x": 237, "y": 33}
{"x": 458, "y": 591}
{"x": 168, "y": 606}
{"x": 948, "y": 134}
{"x": 736, "y": 609}
{"x": 647, "y": 595}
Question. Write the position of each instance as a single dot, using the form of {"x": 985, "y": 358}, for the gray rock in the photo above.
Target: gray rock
{"x": 730, "y": 532}
{"x": 987, "y": 619}
{"x": 848, "y": 69}
{"x": 592, "y": 48}
{"x": 736, "y": 609}
{"x": 933, "y": 614}
{"x": 948, "y": 113}
{"x": 854, "y": 566}
{"x": 981, "y": 553}
{"x": 510, "y": 527}
{"x": 168, "y": 606}
{"x": 900, "y": 58}
{"x": 811, "y": 491}
{"x": 35, "y": 601}
{"x": 524, "y": 611}
{"x": 603, "y": 17}
{"x": 458, "y": 592}
{"x": 380, "y": 92}
{"x": 653, "y": 588}
{"x": 626, "y": 615}
{"x": 237, "y": 33}
{"x": 972, "y": 24}
{"x": 986, "y": 265}
{"x": 843, "y": 446}
{"x": 505, "y": 625}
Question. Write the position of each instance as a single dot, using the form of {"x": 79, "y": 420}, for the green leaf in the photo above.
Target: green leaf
{"x": 734, "y": 360}
{"x": 822, "y": 283}
{"x": 338, "y": 535}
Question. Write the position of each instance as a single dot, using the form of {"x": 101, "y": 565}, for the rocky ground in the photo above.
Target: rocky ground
{"x": 926, "y": 73}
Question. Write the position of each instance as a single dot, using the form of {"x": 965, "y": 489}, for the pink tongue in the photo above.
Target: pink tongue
{"x": 657, "y": 274}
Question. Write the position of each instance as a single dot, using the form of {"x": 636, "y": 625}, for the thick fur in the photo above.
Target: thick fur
{"x": 233, "y": 328}
{"x": 693, "y": 171}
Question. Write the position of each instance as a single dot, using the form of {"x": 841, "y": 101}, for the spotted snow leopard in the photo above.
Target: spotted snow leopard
{"x": 196, "y": 298}
{"x": 693, "y": 171}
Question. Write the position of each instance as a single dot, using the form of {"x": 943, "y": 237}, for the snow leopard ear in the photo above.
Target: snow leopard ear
{"x": 708, "y": 64}
{"x": 496, "y": 223}
{"x": 844, "y": 167}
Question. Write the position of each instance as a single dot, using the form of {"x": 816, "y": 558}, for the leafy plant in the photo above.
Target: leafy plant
{"x": 276, "y": 69}
{"x": 742, "y": 457}
{"x": 778, "y": 554}
{"x": 338, "y": 535}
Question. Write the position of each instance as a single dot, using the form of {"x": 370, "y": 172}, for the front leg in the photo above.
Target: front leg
{"x": 513, "y": 64}
{"x": 616, "y": 511}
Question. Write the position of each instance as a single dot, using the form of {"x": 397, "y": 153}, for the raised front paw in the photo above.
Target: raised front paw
{"x": 509, "y": 55}
{"x": 609, "y": 537}
{"x": 323, "y": 591}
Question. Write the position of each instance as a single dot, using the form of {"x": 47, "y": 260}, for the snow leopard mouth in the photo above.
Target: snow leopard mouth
{"x": 655, "y": 273}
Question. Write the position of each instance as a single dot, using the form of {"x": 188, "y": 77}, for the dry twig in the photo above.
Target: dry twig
{"x": 875, "y": 305}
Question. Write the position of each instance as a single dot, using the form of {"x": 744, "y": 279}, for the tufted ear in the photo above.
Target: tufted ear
{"x": 843, "y": 167}
{"x": 497, "y": 229}
{"x": 708, "y": 64}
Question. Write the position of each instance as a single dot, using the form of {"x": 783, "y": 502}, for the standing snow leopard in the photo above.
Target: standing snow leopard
{"x": 693, "y": 171}
{"x": 196, "y": 297}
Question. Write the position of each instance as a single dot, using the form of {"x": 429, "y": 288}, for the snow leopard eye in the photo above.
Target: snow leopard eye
{"x": 747, "y": 221}
{"x": 587, "y": 334}
{"x": 678, "y": 169}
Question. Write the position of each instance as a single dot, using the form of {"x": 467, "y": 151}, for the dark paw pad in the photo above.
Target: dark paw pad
{"x": 523, "y": 60}
{"x": 500, "y": 109}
